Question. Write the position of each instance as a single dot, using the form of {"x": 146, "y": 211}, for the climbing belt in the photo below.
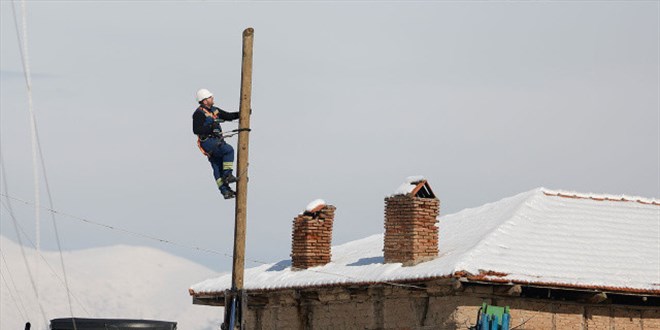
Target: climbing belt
{"x": 235, "y": 131}
{"x": 223, "y": 135}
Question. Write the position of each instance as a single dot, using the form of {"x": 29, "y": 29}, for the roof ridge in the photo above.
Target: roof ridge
{"x": 600, "y": 197}
{"x": 468, "y": 255}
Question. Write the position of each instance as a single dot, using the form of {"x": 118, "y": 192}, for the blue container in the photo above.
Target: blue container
{"x": 506, "y": 320}
{"x": 494, "y": 323}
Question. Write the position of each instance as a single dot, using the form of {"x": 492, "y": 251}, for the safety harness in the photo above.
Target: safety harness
{"x": 223, "y": 135}
{"x": 213, "y": 115}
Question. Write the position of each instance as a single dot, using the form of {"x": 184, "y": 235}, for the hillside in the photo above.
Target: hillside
{"x": 109, "y": 282}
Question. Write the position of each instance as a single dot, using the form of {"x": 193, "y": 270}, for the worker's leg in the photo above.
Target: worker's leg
{"x": 217, "y": 153}
{"x": 217, "y": 171}
{"x": 221, "y": 181}
{"x": 226, "y": 152}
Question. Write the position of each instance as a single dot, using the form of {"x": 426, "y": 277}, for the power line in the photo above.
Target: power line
{"x": 43, "y": 258}
{"x": 110, "y": 227}
{"x": 36, "y": 148}
{"x": 170, "y": 242}
{"x": 18, "y": 237}
{"x": 531, "y": 317}
{"x": 23, "y": 315}
{"x": 22, "y": 40}
{"x": 21, "y": 308}
{"x": 55, "y": 229}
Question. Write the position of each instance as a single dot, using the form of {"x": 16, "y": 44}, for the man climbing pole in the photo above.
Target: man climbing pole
{"x": 206, "y": 124}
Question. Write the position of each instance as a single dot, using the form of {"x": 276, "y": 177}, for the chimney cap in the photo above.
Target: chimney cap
{"x": 415, "y": 186}
{"x": 315, "y": 206}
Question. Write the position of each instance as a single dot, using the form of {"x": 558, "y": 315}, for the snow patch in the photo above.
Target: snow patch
{"x": 408, "y": 186}
{"x": 314, "y": 204}
{"x": 595, "y": 196}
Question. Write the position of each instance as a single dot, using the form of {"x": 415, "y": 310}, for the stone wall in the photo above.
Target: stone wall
{"x": 437, "y": 307}
{"x": 312, "y": 238}
{"x": 411, "y": 235}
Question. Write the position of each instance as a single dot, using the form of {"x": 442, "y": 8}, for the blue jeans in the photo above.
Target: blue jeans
{"x": 221, "y": 157}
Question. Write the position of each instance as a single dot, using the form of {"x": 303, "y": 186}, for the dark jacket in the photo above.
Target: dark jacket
{"x": 204, "y": 120}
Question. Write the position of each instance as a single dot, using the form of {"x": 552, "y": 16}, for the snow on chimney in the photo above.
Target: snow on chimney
{"x": 312, "y": 236}
{"x": 411, "y": 235}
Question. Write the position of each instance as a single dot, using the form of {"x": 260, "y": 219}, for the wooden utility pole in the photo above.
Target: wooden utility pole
{"x": 242, "y": 175}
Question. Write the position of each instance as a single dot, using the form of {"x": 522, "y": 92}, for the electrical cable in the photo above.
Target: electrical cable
{"x": 57, "y": 234}
{"x": 50, "y": 267}
{"x": 22, "y": 40}
{"x": 21, "y": 309}
{"x": 36, "y": 149}
{"x": 234, "y": 132}
{"x": 153, "y": 238}
{"x": 14, "y": 299}
{"x": 18, "y": 237}
{"x": 167, "y": 241}
{"x": 531, "y": 317}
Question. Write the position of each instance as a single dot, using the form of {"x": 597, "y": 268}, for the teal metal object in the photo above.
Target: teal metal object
{"x": 492, "y": 317}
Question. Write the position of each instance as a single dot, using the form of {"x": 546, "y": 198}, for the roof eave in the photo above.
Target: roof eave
{"x": 217, "y": 298}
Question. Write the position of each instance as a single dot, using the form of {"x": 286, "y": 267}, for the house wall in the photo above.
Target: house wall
{"x": 437, "y": 307}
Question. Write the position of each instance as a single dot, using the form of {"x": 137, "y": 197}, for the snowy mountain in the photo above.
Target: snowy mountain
{"x": 109, "y": 282}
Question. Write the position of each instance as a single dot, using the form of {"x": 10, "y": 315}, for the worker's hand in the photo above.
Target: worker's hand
{"x": 217, "y": 132}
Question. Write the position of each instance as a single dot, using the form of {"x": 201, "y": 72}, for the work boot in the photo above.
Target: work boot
{"x": 226, "y": 192}
{"x": 229, "y": 178}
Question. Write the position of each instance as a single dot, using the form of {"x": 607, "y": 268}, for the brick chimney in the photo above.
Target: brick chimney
{"x": 411, "y": 235}
{"x": 312, "y": 236}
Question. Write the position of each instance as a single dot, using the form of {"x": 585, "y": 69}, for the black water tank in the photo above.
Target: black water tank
{"x": 110, "y": 324}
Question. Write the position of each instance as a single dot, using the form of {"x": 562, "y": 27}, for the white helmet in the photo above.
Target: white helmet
{"x": 203, "y": 94}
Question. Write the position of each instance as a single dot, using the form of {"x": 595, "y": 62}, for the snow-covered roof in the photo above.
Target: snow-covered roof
{"x": 541, "y": 237}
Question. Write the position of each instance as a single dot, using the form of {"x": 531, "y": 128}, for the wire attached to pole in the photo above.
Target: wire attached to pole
{"x": 20, "y": 242}
{"x": 197, "y": 248}
{"x": 37, "y": 153}
{"x": 43, "y": 258}
{"x": 17, "y": 300}
{"x": 22, "y": 40}
{"x": 235, "y": 131}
